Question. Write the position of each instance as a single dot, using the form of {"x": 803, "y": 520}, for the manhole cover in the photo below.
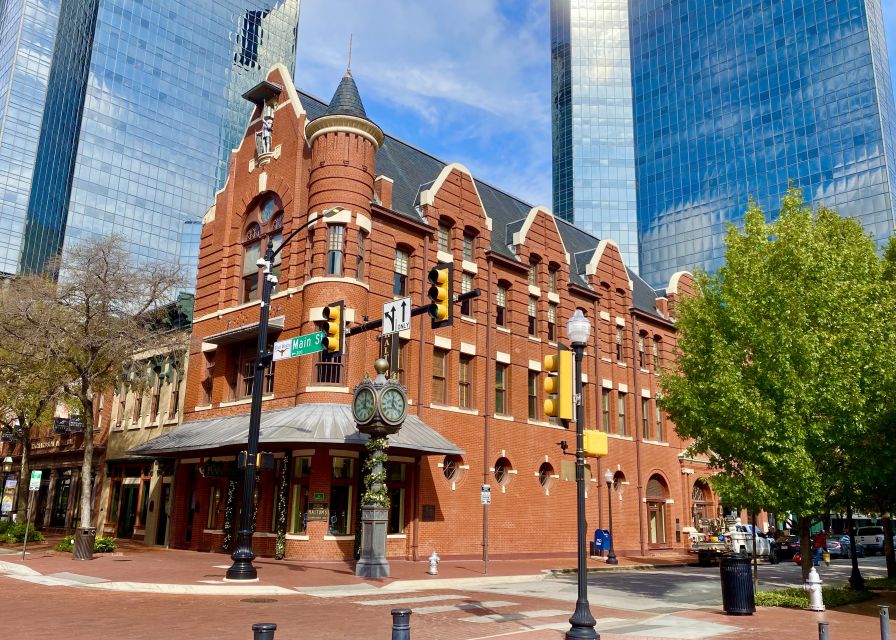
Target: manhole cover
{"x": 259, "y": 600}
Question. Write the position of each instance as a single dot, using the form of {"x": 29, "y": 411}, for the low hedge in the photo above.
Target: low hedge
{"x": 102, "y": 544}
{"x": 796, "y": 598}
{"x": 884, "y": 584}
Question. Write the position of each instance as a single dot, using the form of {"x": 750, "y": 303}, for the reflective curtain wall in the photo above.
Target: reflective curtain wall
{"x": 162, "y": 111}
{"x": 593, "y": 132}
{"x": 734, "y": 98}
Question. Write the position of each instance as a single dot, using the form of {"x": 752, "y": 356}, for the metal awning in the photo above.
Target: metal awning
{"x": 304, "y": 424}
{"x": 245, "y": 332}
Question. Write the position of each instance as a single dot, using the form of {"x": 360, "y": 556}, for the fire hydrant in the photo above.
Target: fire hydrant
{"x": 434, "y": 564}
{"x": 813, "y": 588}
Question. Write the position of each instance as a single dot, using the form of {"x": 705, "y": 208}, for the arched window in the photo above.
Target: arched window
{"x": 701, "y": 502}
{"x": 657, "y": 493}
{"x": 264, "y": 223}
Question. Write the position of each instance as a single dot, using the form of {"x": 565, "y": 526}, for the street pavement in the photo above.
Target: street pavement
{"x": 146, "y": 593}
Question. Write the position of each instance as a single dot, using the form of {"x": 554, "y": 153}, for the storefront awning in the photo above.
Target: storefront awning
{"x": 245, "y": 332}
{"x": 305, "y": 424}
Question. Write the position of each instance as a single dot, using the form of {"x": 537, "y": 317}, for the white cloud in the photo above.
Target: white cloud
{"x": 468, "y": 81}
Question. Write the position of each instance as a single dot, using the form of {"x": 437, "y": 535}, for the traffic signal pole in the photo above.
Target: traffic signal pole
{"x": 416, "y": 311}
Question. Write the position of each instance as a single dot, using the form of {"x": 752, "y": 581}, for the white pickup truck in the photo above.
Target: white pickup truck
{"x": 872, "y": 539}
{"x": 738, "y": 538}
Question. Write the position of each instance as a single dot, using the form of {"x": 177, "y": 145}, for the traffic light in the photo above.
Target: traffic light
{"x": 334, "y": 328}
{"x": 441, "y": 294}
{"x": 559, "y": 385}
{"x": 594, "y": 443}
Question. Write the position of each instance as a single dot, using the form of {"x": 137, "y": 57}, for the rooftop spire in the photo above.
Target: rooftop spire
{"x": 347, "y": 101}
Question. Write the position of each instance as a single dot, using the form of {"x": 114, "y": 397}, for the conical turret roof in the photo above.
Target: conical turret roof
{"x": 347, "y": 101}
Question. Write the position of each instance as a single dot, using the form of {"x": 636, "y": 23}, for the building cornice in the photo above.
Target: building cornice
{"x": 326, "y": 124}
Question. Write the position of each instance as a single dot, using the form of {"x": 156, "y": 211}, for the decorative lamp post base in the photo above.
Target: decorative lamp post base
{"x": 242, "y": 568}
{"x": 373, "y": 563}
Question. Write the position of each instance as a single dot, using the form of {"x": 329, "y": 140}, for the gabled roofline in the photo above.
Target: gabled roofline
{"x": 520, "y": 236}
{"x": 428, "y": 196}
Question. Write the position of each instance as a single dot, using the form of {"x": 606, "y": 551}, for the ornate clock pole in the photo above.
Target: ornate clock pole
{"x": 379, "y": 407}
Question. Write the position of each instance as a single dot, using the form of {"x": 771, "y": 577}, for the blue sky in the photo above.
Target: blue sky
{"x": 468, "y": 81}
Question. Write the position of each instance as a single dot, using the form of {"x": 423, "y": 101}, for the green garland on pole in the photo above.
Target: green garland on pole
{"x": 375, "y": 491}
{"x": 280, "y": 525}
{"x": 228, "y": 515}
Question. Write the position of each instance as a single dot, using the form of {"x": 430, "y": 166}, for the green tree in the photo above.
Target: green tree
{"x": 785, "y": 356}
{"x": 31, "y": 383}
{"x": 104, "y": 309}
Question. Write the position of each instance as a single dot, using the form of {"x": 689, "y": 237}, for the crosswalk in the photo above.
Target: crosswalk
{"x": 513, "y": 616}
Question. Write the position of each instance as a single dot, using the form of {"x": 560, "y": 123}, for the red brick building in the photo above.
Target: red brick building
{"x": 475, "y": 387}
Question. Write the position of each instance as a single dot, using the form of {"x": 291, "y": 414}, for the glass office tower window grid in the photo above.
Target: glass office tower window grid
{"x": 735, "y": 98}
{"x": 593, "y": 136}
{"x": 163, "y": 110}
{"x": 27, "y": 35}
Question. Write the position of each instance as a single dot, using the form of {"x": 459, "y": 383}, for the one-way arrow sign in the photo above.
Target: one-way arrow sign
{"x": 397, "y": 315}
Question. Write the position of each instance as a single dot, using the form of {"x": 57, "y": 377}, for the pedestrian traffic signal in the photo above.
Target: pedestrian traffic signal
{"x": 334, "y": 328}
{"x": 559, "y": 385}
{"x": 441, "y": 294}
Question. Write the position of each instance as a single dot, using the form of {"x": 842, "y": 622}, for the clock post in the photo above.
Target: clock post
{"x": 379, "y": 407}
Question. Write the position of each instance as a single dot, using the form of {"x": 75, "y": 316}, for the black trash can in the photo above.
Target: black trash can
{"x": 738, "y": 598}
{"x": 84, "y": 539}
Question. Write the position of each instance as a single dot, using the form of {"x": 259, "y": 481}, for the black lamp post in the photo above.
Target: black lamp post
{"x": 242, "y": 568}
{"x": 582, "y": 622}
{"x": 608, "y": 478}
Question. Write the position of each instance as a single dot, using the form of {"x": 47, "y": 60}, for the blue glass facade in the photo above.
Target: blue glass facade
{"x": 736, "y": 98}
{"x": 593, "y": 134}
{"x": 161, "y": 112}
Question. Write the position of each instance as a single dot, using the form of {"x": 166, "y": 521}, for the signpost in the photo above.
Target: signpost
{"x": 397, "y": 315}
{"x": 33, "y": 487}
{"x": 299, "y": 346}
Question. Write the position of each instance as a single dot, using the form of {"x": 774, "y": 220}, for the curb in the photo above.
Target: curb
{"x": 605, "y": 569}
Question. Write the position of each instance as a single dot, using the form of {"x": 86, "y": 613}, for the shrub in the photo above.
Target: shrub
{"x": 4, "y": 527}
{"x": 16, "y": 533}
{"x": 796, "y": 598}
{"x": 67, "y": 544}
{"x": 104, "y": 544}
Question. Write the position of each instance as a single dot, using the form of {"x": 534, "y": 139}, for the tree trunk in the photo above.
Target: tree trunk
{"x": 24, "y": 476}
{"x": 888, "y": 546}
{"x": 805, "y": 548}
{"x": 86, "y": 399}
{"x": 856, "y": 581}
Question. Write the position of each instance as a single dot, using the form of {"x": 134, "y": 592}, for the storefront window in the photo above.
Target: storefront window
{"x": 214, "y": 501}
{"x": 395, "y": 483}
{"x": 341, "y": 489}
{"x": 299, "y": 496}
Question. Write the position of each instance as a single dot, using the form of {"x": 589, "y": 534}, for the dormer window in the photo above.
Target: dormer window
{"x": 444, "y": 237}
{"x": 533, "y": 274}
{"x": 469, "y": 247}
{"x": 552, "y": 279}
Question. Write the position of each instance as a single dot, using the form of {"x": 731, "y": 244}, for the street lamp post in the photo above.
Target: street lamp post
{"x": 242, "y": 568}
{"x": 582, "y": 622}
{"x": 608, "y": 478}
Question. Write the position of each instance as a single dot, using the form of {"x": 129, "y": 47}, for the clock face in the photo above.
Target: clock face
{"x": 393, "y": 406}
{"x": 364, "y": 405}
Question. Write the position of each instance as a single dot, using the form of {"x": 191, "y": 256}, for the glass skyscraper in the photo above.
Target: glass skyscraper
{"x": 732, "y": 99}
{"x": 118, "y": 116}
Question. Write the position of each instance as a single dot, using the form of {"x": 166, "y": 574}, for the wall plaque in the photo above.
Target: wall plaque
{"x": 318, "y": 511}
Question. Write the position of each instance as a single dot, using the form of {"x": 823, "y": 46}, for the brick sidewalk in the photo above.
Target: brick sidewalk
{"x": 229, "y": 615}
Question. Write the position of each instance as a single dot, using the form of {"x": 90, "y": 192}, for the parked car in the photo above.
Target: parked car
{"x": 872, "y": 538}
{"x": 838, "y": 547}
{"x": 789, "y": 547}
